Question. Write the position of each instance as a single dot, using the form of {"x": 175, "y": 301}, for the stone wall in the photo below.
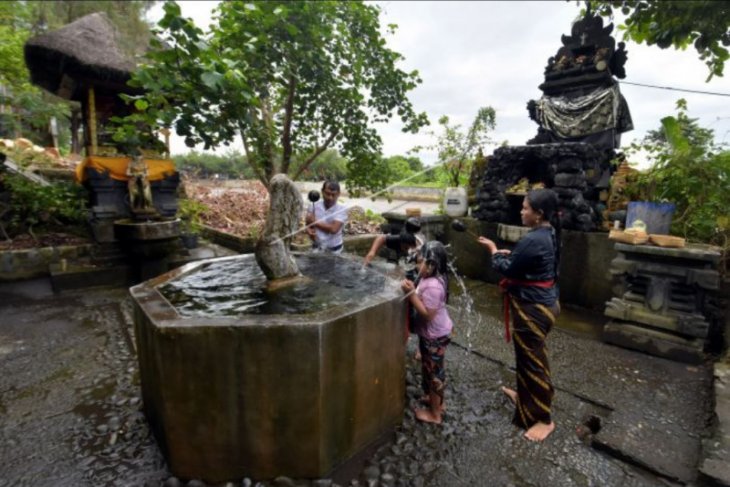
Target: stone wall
{"x": 584, "y": 278}
{"x": 577, "y": 172}
{"x": 16, "y": 265}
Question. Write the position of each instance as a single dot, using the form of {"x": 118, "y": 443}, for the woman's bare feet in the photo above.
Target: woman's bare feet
{"x": 428, "y": 416}
{"x": 539, "y": 431}
{"x": 510, "y": 393}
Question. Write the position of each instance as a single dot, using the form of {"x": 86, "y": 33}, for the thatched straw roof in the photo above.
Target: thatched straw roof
{"x": 86, "y": 51}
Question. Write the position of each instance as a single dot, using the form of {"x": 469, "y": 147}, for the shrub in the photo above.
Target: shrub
{"x": 58, "y": 206}
{"x": 691, "y": 172}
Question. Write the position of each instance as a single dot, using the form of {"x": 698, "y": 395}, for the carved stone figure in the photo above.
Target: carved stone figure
{"x": 140, "y": 193}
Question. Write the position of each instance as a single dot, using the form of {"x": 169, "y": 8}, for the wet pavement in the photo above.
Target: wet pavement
{"x": 70, "y": 407}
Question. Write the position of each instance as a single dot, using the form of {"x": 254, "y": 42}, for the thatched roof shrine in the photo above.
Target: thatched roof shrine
{"x": 83, "y": 53}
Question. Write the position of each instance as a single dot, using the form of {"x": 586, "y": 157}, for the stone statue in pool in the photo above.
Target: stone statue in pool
{"x": 283, "y": 220}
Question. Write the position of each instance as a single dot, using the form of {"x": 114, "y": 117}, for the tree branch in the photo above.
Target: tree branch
{"x": 250, "y": 160}
{"x": 286, "y": 131}
{"x": 316, "y": 153}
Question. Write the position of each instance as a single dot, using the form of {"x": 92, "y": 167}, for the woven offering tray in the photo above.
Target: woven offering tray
{"x": 633, "y": 238}
{"x": 666, "y": 240}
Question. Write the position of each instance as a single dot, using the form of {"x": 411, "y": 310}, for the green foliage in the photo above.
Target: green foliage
{"x": 678, "y": 24}
{"x": 32, "y": 107}
{"x": 457, "y": 149}
{"x": 288, "y": 77}
{"x": 254, "y": 231}
{"x": 190, "y": 212}
{"x": 53, "y": 207}
{"x": 231, "y": 165}
{"x": 689, "y": 128}
{"x": 372, "y": 217}
{"x": 397, "y": 169}
{"x": 693, "y": 176}
{"x": 329, "y": 165}
{"x": 478, "y": 168}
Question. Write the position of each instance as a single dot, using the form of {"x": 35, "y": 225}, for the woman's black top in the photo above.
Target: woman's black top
{"x": 533, "y": 259}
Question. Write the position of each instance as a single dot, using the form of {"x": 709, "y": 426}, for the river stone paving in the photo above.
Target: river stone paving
{"x": 70, "y": 407}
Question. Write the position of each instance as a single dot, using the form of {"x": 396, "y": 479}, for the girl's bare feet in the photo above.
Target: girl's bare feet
{"x": 426, "y": 401}
{"x": 428, "y": 416}
{"x": 539, "y": 431}
{"x": 510, "y": 393}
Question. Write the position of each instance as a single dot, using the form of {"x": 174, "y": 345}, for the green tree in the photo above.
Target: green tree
{"x": 398, "y": 168}
{"x": 329, "y": 165}
{"x": 678, "y": 24}
{"x": 696, "y": 136}
{"x": 693, "y": 176}
{"x": 288, "y": 77}
{"x": 457, "y": 149}
{"x": 414, "y": 163}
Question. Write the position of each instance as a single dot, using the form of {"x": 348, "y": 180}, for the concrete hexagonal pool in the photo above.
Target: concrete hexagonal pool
{"x": 238, "y": 381}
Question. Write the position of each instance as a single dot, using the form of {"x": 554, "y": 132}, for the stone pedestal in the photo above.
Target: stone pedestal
{"x": 665, "y": 301}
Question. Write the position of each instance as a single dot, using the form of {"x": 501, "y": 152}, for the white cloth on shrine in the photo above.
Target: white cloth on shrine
{"x": 582, "y": 115}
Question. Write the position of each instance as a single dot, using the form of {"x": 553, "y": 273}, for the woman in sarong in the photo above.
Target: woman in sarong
{"x": 531, "y": 293}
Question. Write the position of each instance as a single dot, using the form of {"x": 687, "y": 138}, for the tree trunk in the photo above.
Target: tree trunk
{"x": 283, "y": 219}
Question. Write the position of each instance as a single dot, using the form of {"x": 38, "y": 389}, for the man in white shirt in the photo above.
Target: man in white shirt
{"x": 326, "y": 221}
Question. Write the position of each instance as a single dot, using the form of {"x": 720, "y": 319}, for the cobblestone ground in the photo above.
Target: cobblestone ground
{"x": 70, "y": 408}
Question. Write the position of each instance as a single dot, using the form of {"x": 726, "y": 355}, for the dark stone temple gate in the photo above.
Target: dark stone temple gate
{"x": 581, "y": 117}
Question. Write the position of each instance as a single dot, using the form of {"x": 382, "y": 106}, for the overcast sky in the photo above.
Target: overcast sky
{"x": 473, "y": 54}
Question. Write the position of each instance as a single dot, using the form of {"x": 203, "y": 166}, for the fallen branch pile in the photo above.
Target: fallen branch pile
{"x": 242, "y": 210}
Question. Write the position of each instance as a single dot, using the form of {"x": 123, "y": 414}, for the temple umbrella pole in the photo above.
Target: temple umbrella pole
{"x": 92, "y": 120}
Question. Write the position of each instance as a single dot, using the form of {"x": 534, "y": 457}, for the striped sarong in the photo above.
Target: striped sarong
{"x": 531, "y": 324}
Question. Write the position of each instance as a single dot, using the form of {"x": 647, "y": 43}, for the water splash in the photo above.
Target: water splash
{"x": 462, "y": 309}
{"x": 472, "y": 321}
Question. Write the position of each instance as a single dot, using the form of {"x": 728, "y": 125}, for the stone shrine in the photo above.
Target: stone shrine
{"x": 666, "y": 301}
{"x": 581, "y": 116}
{"x": 84, "y": 62}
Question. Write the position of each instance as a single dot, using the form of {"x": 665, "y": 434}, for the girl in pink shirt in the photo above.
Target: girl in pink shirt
{"x": 433, "y": 326}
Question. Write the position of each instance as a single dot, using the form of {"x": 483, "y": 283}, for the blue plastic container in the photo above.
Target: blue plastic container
{"x": 656, "y": 216}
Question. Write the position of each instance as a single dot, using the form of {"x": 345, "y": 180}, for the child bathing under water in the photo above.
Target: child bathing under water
{"x": 433, "y": 326}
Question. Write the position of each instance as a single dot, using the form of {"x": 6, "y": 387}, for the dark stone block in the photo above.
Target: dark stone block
{"x": 495, "y": 204}
{"x": 654, "y": 342}
{"x": 571, "y": 180}
{"x": 570, "y": 165}
{"x": 580, "y": 205}
{"x": 584, "y": 222}
{"x": 567, "y": 193}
